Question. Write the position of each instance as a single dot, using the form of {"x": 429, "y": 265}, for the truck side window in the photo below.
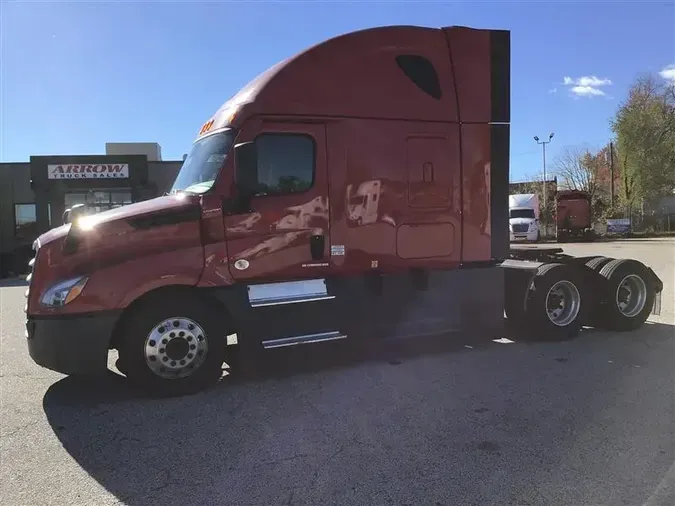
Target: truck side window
{"x": 285, "y": 163}
{"x": 421, "y": 72}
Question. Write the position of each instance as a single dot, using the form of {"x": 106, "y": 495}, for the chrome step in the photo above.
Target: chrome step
{"x": 306, "y": 339}
{"x": 290, "y": 292}
{"x": 289, "y": 300}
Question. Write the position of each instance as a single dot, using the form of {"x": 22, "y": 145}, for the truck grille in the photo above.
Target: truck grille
{"x": 520, "y": 227}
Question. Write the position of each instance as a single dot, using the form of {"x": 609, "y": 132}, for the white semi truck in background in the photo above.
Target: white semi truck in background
{"x": 524, "y": 217}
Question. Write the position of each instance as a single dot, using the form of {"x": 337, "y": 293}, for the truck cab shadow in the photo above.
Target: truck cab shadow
{"x": 280, "y": 420}
{"x": 262, "y": 366}
{"x": 303, "y": 360}
{"x": 322, "y": 357}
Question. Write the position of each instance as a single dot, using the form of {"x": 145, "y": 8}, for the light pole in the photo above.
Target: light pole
{"x": 543, "y": 145}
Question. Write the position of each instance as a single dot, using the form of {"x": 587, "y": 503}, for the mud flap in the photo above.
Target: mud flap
{"x": 656, "y": 307}
{"x": 658, "y": 289}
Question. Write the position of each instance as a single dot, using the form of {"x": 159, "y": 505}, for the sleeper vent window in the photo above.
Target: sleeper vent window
{"x": 421, "y": 72}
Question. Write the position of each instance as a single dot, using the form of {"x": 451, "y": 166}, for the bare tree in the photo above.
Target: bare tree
{"x": 579, "y": 169}
{"x": 575, "y": 172}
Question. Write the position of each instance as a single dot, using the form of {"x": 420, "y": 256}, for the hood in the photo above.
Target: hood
{"x": 165, "y": 203}
{"x": 156, "y": 205}
{"x": 521, "y": 221}
{"x": 53, "y": 235}
{"x": 168, "y": 223}
{"x": 123, "y": 243}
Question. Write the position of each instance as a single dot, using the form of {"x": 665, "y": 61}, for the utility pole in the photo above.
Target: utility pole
{"x": 611, "y": 173}
{"x": 543, "y": 145}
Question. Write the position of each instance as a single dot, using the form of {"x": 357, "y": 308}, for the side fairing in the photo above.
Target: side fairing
{"x": 481, "y": 66}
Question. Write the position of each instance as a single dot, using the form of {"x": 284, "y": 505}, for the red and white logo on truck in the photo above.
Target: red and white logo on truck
{"x": 88, "y": 171}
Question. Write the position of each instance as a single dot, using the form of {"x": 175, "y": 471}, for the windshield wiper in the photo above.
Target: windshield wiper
{"x": 194, "y": 187}
{"x": 174, "y": 192}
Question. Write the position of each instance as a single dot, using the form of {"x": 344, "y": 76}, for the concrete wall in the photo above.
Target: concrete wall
{"x": 14, "y": 189}
{"x": 163, "y": 174}
{"x": 150, "y": 149}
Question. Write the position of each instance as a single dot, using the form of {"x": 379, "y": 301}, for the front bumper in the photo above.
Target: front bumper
{"x": 523, "y": 236}
{"x": 76, "y": 344}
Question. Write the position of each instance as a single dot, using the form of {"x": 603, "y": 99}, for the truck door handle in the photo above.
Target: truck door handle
{"x": 428, "y": 172}
{"x": 316, "y": 246}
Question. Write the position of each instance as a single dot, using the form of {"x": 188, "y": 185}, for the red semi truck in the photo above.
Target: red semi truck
{"x": 573, "y": 215}
{"x": 358, "y": 190}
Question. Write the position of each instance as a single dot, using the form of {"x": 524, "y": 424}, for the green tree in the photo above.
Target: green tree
{"x": 644, "y": 126}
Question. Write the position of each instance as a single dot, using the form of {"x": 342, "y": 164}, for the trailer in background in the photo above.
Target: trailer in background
{"x": 573, "y": 216}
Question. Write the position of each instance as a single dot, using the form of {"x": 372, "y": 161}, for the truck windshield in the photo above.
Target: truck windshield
{"x": 521, "y": 213}
{"x": 201, "y": 167}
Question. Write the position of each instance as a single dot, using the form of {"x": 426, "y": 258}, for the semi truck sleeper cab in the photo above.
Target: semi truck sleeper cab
{"x": 356, "y": 190}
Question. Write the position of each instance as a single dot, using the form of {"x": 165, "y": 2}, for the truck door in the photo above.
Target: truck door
{"x": 285, "y": 235}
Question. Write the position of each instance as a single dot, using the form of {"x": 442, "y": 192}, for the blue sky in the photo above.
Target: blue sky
{"x": 76, "y": 75}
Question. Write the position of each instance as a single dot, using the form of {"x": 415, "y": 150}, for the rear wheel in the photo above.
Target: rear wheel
{"x": 555, "y": 301}
{"x": 597, "y": 263}
{"x": 173, "y": 346}
{"x": 629, "y": 295}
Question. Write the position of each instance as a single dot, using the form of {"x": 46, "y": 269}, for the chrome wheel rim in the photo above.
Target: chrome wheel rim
{"x": 631, "y": 295}
{"x": 175, "y": 348}
{"x": 563, "y": 303}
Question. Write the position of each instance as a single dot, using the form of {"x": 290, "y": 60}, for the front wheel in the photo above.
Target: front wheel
{"x": 173, "y": 345}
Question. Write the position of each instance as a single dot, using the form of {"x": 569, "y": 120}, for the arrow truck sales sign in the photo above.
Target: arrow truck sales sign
{"x": 88, "y": 171}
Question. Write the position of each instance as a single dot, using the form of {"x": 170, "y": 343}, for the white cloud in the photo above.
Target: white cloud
{"x": 586, "y": 91}
{"x": 593, "y": 81}
{"x": 553, "y": 90}
{"x": 586, "y": 86}
{"x": 668, "y": 73}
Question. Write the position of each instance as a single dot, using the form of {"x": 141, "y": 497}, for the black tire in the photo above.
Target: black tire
{"x": 597, "y": 263}
{"x": 617, "y": 272}
{"x": 568, "y": 279}
{"x": 202, "y": 370}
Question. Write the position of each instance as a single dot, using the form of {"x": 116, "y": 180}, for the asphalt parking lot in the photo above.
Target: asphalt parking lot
{"x": 584, "y": 422}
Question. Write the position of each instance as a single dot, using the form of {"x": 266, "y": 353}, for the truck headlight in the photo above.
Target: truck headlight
{"x": 64, "y": 292}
